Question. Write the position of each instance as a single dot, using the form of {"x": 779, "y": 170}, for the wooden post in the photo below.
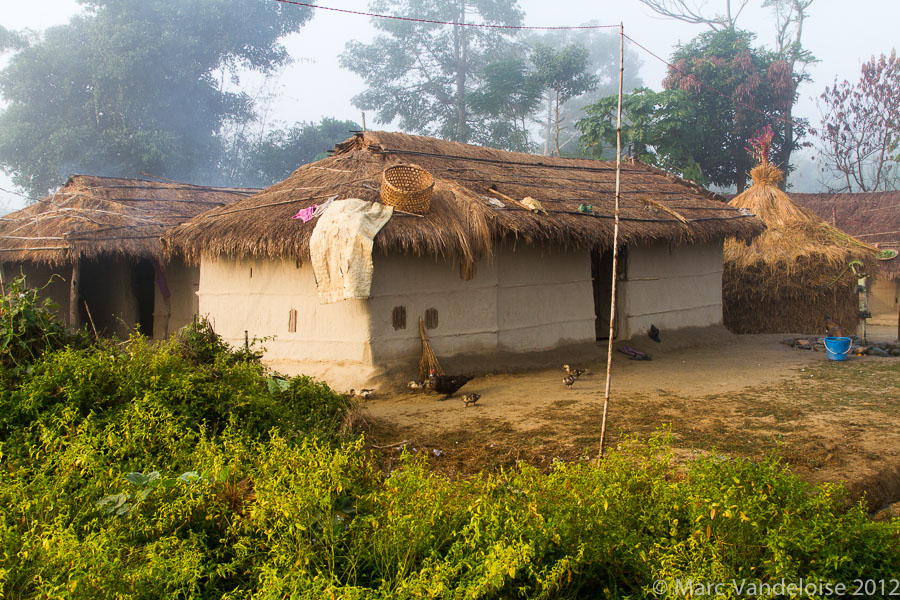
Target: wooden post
{"x": 74, "y": 282}
{"x": 615, "y": 256}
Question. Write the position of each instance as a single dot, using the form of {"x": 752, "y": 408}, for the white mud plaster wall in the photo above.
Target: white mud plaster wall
{"x": 525, "y": 300}
{"x": 331, "y": 341}
{"x": 183, "y": 304}
{"x": 672, "y": 287}
{"x": 883, "y": 297}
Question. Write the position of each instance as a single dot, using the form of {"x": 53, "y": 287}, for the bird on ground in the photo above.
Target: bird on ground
{"x": 446, "y": 384}
{"x": 832, "y": 329}
{"x": 576, "y": 372}
{"x": 569, "y": 381}
{"x": 416, "y": 385}
{"x": 365, "y": 393}
{"x": 653, "y": 334}
{"x": 470, "y": 399}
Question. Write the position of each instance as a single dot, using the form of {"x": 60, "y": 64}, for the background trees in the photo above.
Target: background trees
{"x": 729, "y": 90}
{"x": 860, "y": 135}
{"x": 137, "y": 86}
{"x": 657, "y": 129}
{"x": 423, "y": 75}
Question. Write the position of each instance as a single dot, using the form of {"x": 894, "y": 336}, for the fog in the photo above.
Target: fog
{"x": 841, "y": 35}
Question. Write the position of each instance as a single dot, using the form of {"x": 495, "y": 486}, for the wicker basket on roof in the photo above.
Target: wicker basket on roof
{"x": 407, "y": 188}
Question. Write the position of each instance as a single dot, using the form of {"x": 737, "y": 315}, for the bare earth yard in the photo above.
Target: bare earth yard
{"x": 832, "y": 421}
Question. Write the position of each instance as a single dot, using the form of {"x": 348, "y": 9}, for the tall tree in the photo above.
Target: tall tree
{"x": 860, "y": 134}
{"x": 789, "y": 19}
{"x": 564, "y": 73}
{"x": 697, "y": 13}
{"x": 273, "y": 156}
{"x": 510, "y": 94}
{"x": 136, "y": 86}
{"x": 657, "y": 129}
{"x": 422, "y": 74}
{"x": 790, "y": 16}
{"x": 603, "y": 49}
{"x": 738, "y": 90}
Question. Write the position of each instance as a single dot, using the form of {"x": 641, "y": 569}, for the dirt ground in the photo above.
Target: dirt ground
{"x": 745, "y": 395}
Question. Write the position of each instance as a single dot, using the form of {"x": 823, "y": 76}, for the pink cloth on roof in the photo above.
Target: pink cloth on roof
{"x": 306, "y": 213}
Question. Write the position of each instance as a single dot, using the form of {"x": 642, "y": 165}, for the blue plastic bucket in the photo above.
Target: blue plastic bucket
{"x": 837, "y": 348}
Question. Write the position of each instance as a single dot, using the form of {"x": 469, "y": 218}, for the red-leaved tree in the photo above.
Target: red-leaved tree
{"x": 860, "y": 135}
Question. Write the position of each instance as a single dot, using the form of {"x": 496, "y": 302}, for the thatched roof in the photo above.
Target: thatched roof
{"x": 90, "y": 216}
{"x": 793, "y": 235}
{"x": 873, "y": 217}
{"x": 462, "y": 223}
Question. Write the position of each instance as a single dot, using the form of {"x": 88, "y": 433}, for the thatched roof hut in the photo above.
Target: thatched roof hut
{"x": 94, "y": 245}
{"x": 795, "y": 272}
{"x": 90, "y": 216}
{"x": 489, "y": 279}
{"x": 656, "y": 206}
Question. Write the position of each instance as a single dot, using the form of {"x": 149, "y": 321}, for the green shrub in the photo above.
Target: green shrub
{"x": 141, "y": 471}
{"x": 28, "y": 325}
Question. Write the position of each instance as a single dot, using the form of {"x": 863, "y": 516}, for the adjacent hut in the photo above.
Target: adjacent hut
{"x": 94, "y": 246}
{"x": 490, "y": 278}
{"x": 795, "y": 272}
{"x": 874, "y": 218}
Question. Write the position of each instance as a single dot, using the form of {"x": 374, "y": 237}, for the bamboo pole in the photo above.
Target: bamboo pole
{"x": 74, "y": 282}
{"x": 615, "y": 257}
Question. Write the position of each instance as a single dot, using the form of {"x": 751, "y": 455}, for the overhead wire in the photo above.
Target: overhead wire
{"x": 436, "y": 22}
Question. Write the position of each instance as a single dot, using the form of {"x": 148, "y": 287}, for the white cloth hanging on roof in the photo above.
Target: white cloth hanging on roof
{"x": 341, "y": 248}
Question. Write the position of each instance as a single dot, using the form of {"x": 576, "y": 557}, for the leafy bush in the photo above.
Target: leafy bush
{"x": 141, "y": 471}
{"x": 28, "y": 325}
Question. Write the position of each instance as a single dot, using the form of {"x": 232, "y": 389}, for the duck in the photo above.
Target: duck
{"x": 569, "y": 381}
{"x": 365, "y": 393}
{"x": 446, "y": 384}
{"x": 470, "y": 399}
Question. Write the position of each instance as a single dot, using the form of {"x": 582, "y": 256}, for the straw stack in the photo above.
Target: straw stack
{"x": 795, "y": 272}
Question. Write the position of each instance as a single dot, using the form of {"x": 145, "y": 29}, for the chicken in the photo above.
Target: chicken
{"x": 446, "y": 384}
{"x": 470, "y": 399}
{"x": 832, "y": 329}
{"x": 576, "y": 372}
{"x": 365, "y": 394}
{"x": 416, "y": 385}
{"x": 569, "y": 381}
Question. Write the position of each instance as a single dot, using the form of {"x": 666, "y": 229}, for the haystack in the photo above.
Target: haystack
{"x": 794, "y": 273}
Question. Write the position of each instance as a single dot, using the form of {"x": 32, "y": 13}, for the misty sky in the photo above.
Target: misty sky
{"x": 841, "y": 34}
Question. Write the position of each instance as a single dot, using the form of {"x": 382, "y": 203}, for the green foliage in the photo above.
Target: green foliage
{"x": 277, "y": 154}
{"x": 656, "y": 129}
{"x": 509, "y": 91}
{"x": 564, "y": 73}
{"x": 136, "y": 86}
{"x": 176, "y": 470}
{"x": 28, "y": 325}
{"x": 420, "y": 76}
{"x": 737, "y": 89}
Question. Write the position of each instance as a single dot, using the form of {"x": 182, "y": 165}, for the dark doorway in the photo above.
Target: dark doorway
{"x": 142, "y": 279}
{"x": 601, "y": 277}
